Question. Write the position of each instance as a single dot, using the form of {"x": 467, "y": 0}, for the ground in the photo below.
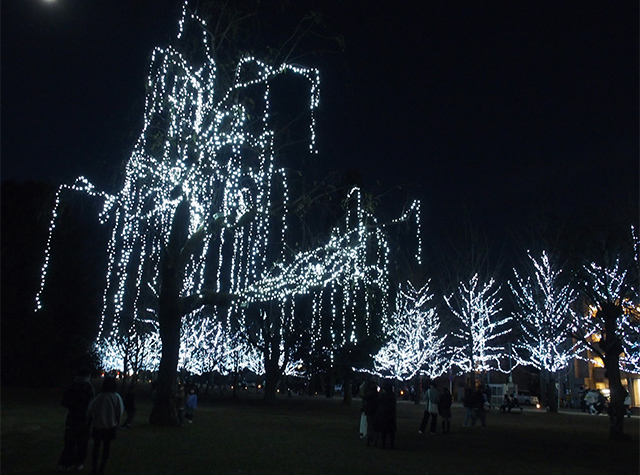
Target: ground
{"x": 315, "y": 435}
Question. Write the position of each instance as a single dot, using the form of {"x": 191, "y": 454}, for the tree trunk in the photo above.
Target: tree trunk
{"x": 550, "y": 390}
{"x": 164, "y": 412}
{"x": 346, "y": 387}
{"x": 235, "y": 383}
{"x": 271, "y": 363}
{"x": 417, "y": 395}
{"x": 612, "y": 347}
{"x": 271, "y": 380}
{"x": 330, "y": 383}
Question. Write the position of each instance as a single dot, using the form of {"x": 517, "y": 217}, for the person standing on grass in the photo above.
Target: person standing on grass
{"x": 180, "y": 403}
{"x": 627, "y": 404}
{"x": 385, "y": 417}
{"x": 370, "y": 405}
{"x": 191, "y": 404}
{"x": 106, "y": 410}
{"x": 363, "y": 417}
{"x": 129, "y": 400}
{"x": 488, "y": 397}
{"x": 444, "y": 409}
{"x": 467, "y": 402}
{"x": 431, "y": 410}
{"x": 77, "y": 427}
{"x": 477, "y": 404}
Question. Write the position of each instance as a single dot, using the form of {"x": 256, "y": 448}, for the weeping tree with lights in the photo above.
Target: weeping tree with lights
{"x": 348, "y": 315}
{"x": 192, "y": 225}
{"x": 476, "y": 307}
{"x": 543, "y": 312}
{"x": 346, "y": 282}
{"x": 201, "y": 220}
{"x": 608, "y": 323}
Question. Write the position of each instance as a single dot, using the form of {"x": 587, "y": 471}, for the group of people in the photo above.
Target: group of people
{"x": 438, "y": 403}
{"x": 509, "y": 403}
{"x": 378, "y": 413}
{"x": 95, "y": 416}
{"x": 594, "y": 401}
{"x": 186, "y": 402}
{"x": 474, "y": 402}
{"x": 378, "y": 418}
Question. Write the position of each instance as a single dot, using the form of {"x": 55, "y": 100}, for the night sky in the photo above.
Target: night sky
{"x": 493, "y": 111}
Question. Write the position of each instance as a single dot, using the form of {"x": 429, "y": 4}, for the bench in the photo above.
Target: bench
{"x": 511, "y": 410}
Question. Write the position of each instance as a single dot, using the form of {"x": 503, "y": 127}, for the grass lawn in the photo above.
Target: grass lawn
{"x": 319, "y": 435}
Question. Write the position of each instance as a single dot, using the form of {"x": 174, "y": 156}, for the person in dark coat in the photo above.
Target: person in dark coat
{"x": 106, "y": 411}
{"x": 467, "y": 402}
{"x": 77, "y": 427}
{"x": 477, "y": 404}
{"x": 444, "y": 409}
{"x": 370, "y": 406}
{"x": 385, "y": 418}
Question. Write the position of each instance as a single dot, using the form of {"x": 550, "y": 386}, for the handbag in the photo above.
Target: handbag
{"x": 363, "y": 425}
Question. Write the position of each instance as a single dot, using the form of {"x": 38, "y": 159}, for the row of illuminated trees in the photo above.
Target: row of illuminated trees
{"x": 552, "y": 323}
{"x": 554, "y": 316}
{"x": 552, "y": 320}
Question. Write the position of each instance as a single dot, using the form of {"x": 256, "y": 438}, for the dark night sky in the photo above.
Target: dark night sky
{"x": 502, "y": 109}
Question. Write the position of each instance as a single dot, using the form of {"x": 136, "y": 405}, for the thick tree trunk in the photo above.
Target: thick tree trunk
{"x": 235, "y": 384}
{"x": 616, "y": 403}
{"x": 331, "y": 382}
{"x": 612, "y": 347}
{"x": 550, "y": 390}
{"x": 271, "y": 327}
{"x": 271, "y": 380}
{"x": 417, "y": 396}
{"x": 172, "y": 307}
{"x": 164, "y": 411}
{"x": 271, "y": 364}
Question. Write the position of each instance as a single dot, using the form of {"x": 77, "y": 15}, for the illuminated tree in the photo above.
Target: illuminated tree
{"x": 543, "y": 313}
{"x": 608, "y": 324}
{"x": 193, "y": 223}
{"x": 414, "y": 345}
{"x": 346, "y": 281}
{"x": 630, "y": 359}
{"x": 477, "y": 308}
{"x": 202, "y": 219}
{"x": 204, "y": 344}
{"x": 138, "y": 350}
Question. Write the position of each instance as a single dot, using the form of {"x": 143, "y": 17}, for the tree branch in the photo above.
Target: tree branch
{"x": 207, "y": 297}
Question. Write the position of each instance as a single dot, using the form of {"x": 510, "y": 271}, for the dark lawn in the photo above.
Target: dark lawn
{"x": 318, "y": 435}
